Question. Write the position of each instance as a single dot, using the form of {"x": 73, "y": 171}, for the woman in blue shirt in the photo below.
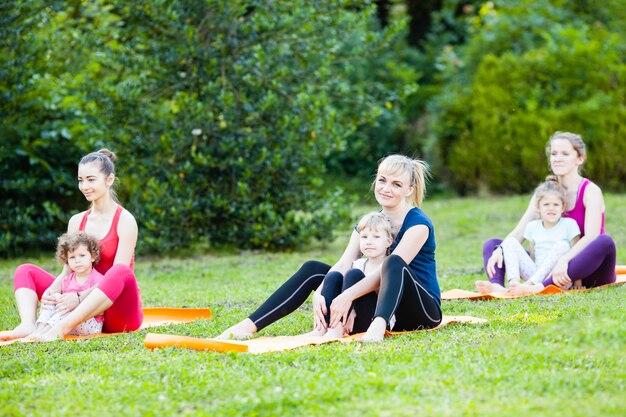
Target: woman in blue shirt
{"x": 405, "y": 287}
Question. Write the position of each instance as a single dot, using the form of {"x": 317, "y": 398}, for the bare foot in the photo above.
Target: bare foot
{"x": 486, "y": 287}
{"x": 376, "y": 331}
{"x": 578, "y": 285}
{"x": 243, "y": 330}
{"x": 49, "y": 336}
{"x": 22, "y": 330}
{"x": 315, "y": 333}
{"x": 40, "y": 329}
{"x": 520, "y": 289}
{"x": 336, "y": 333}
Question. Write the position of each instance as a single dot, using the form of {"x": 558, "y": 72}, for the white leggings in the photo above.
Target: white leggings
{"x": 519, "y": 263}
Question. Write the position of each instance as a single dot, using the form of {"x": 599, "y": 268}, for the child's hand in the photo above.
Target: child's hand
{"x": 339, "y": 309}
{"x": 48, "y": 299}
{"x": 68, "y": 301}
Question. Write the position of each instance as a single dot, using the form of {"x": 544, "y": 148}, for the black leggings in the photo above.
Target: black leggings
{"x": 291, "y": 295}
{"x": 364, "y": 306}
{"x": 402, "y": 294}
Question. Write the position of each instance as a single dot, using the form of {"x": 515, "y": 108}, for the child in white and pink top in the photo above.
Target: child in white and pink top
{"x": 79, "y": 251}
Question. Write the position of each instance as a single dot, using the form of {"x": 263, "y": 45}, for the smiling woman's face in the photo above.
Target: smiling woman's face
{"x": 92, "y": 181}
{"x": 391, "y": 190}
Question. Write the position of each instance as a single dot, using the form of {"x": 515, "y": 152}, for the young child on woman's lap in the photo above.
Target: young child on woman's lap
{"x": 79, "y": 251}
{"x": 550, "y": 237}
{"x": 375, "y": 238}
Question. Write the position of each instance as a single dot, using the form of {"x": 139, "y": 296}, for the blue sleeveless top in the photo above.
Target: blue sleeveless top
{"x": 423, "y": 266}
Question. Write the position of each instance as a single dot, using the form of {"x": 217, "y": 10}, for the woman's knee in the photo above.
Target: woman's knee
{"x": 24, "y": 269}
{"x": 489, "y": 246}
{"x": 606, "y": 242}
{"x": 311, "y": 267}
{"x": 392, "y": 268}
{"x": 393, "y": 261}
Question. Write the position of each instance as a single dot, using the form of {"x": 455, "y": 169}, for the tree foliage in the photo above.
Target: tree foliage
{"x": 529, "y": 69}
{"x": 221, "y": 114}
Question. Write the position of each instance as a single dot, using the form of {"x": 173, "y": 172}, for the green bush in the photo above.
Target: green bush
{"x": 525, "y": 79}
{"x": 221, "y": 113}
{"x": 394, "y": 68}
{"x": 47, "y": 120}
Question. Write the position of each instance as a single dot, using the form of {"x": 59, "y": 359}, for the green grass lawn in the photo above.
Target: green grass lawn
{"x": 550, "y": 356}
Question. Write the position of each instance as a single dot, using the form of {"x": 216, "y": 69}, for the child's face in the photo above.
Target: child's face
{"x": 373, "y": 242}
{"x": 550, "y": 207}
{"x": 80, "y": 260}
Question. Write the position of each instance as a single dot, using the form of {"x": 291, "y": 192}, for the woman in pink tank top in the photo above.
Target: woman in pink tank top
{"x": 591, "y": 261}
{"x": 117, "y": 295}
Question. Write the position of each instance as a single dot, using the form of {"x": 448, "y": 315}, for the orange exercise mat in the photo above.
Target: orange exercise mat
{"x": 458, "y": 294}
{"x": 270, "y": 344}
{"x": 152, "y": 317}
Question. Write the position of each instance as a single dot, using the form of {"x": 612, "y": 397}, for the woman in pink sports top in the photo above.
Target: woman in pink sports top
{"x": 591, "y": 261}
{"x": 117, "y": 295}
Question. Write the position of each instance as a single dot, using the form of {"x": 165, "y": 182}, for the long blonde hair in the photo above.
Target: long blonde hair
{"x": 415, "y": 168}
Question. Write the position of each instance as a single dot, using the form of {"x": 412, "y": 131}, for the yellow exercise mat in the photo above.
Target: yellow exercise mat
{"x": 457, "y": 294}
{"x": 152, "y": 316}
{"x": 270, "y": 344}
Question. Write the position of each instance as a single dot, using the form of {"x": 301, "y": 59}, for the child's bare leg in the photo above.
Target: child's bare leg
{"x": 486, "y": 287}
{"x": 245, "y": 329}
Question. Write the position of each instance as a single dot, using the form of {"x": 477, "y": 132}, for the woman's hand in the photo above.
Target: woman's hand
{"x": 319, "y": 311}
{"x": 339, "y": 309}
{"x": 496, "y": 258}
{"x": 559, "y": 273}
{"x": 68, "y": 301}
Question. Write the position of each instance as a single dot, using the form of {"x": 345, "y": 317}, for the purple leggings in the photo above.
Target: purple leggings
{"x": 595, "y": 264}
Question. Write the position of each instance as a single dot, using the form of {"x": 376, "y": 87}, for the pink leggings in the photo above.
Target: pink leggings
{"x": 119, "y": 285}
